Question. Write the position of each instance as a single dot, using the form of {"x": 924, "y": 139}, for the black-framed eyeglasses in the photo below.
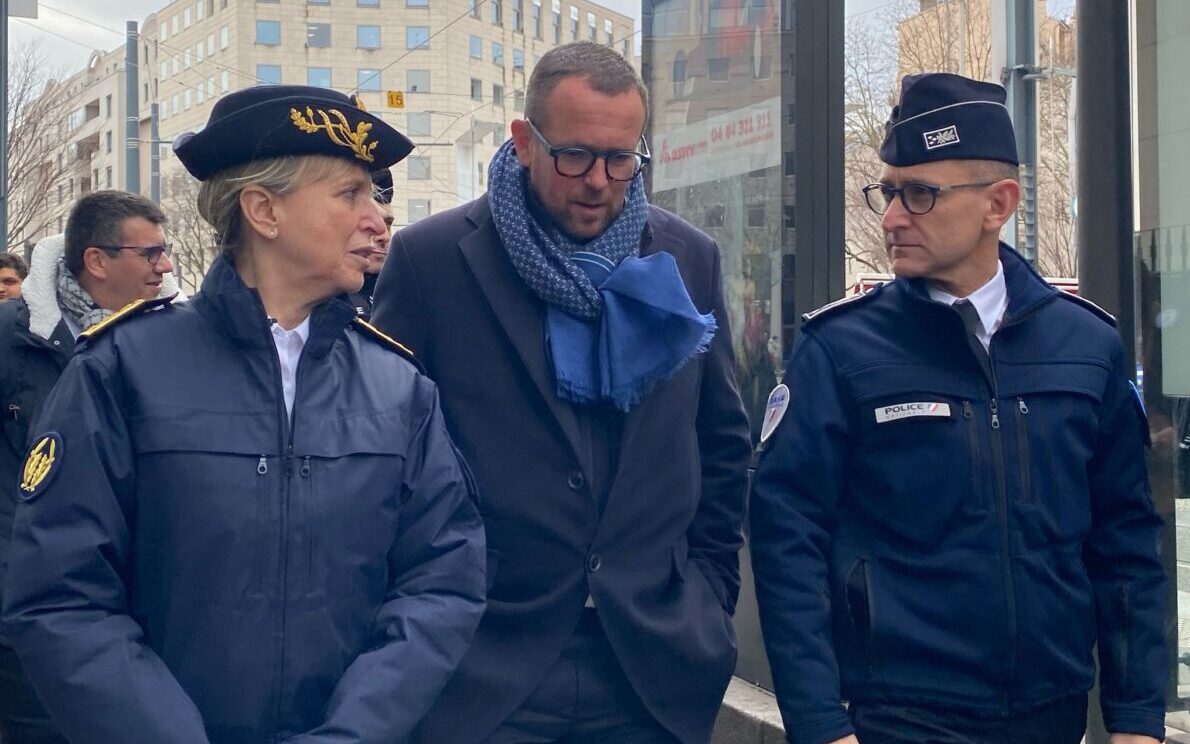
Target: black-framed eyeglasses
{"x": 151, "y": 253}
{"x": 576, "y": 162}
{"x": 916, "y": 198}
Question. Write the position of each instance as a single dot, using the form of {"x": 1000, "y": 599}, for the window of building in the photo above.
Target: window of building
{"x": 319, "y": 76}
{"x": 419, "y": 209}
{"x": 224, "y": 38}
{"x": 368, "y": 3}
{"x": 417, "y": 81}
{"x": 186, "y": 59}
{"x": 608, "y": 33}
{"x": 200, "y": 9}
{"x": 719, "y": 68}
{"x": 714, "y": 216}
{"x": 268, "y": 33}
{"x": 210, "y": 45}
{"x": 107, "y": 177}
{"x": 476, "y": 89}
{"x": 557, "y": 16}
{"x": 498, "y": 53}
{"x": 367, "y": 37}
{"x": 536, "y": 11}
{"x": 270, "y": 74}
{"x": 318, "y": 2}
{"x": 756, "y": 215}
{"x": 224, "y": 81}
{"x": 199, "y": 51}
{"x": 186, "y": 18}
{"x": 417, "y": 3}
{"x": 107, "y": 141}
{"x": 518, "y": 60}
{"x": 145, "y": 97}
{"x": 475, "y": 44}
{"x": 107, "y": 106}
{"x": 498, "y": 95}
{"x": 367, "y": 79}
{"x": 318, "y": 35}
{"x": 518, "y": 16}
{"x": 177, "y": 61}
{"x": 624, "y": 48}
{"x": 210, "y": 87}
{"x": 199, "y": 94}
{"x": 417, "y": 37}
{"x": 174, "y": 26}
{"x": 591, "y": 27}
{"x": 518, "y": 100}
{"x": 417, "y": 124}
{"x": 419, "y": 168}
{"x": 165, "y": 30}
{"x": 497, "y": 12}
{"x": 573, "y": 23}
{"x": 473, "y": 8}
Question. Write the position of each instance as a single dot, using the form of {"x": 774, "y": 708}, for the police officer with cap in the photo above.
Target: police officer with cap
{"x": 952, "y": 507}
{"x": 242, "y": 519}
{"x": 382, "y": 192}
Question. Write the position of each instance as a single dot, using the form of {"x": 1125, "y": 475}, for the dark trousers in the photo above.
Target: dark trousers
{"x": 585, "y": 698}
{"x": 22, "y": 719}
{"x": 1061, "y": 722}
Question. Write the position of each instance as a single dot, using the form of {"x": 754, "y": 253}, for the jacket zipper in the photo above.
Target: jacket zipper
{"x": 1022, "y": 434}
{"x": 973, "y": 447}
{"x": 1002, "y": 515}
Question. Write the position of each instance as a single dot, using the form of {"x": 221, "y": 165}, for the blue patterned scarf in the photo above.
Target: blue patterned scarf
{"x": 616, "y": 324}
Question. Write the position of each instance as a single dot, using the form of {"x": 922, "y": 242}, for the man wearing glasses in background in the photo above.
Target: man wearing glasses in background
{"x": 581, "y": 348}
{"x": 113, "y": 253}
{"x": 952, "y": 505}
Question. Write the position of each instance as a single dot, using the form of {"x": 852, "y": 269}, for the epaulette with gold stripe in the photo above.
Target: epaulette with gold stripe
{"x": 851, "y": 301}
{"x": 132, "y": 309}
{"x": 1095, "y": 309}
{"x": 374, "y": 333}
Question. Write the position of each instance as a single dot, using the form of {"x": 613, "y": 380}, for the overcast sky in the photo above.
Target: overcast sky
{"x": 68, "y": 41}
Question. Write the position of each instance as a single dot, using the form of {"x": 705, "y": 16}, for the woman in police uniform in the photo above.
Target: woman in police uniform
{"x": 243, "y": 519}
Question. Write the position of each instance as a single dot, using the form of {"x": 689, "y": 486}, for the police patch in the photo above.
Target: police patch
{"x": 774, "y": 411}
{"x": 885, "y": 414}
{"x": 41, "y": 465}
{"x": 944, "y": 137}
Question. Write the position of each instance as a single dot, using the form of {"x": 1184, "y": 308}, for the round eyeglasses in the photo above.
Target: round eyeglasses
{"x": 916, "y": 198}
{"x": 151, "y": 253}
{"x": 576, "y": 162}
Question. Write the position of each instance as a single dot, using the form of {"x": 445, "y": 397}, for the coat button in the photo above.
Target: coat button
{"x": 575, "y": 480}
{"x": 593, "y": 562}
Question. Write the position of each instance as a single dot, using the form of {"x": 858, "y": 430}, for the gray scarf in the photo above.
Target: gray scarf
{"x": 74, "y": 301}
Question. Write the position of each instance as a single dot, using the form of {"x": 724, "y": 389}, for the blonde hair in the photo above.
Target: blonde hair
{"x": 219, "y": 195}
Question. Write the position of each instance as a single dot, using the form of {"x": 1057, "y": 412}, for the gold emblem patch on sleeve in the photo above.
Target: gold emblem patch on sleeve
{"x": 41, "y": 465}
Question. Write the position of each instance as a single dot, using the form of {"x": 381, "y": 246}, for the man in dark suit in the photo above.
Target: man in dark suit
{"x": 581, "y": 347}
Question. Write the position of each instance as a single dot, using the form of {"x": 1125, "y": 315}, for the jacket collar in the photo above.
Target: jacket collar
{"x": 238, "y": 311}
{"x": 1027, "y": 291}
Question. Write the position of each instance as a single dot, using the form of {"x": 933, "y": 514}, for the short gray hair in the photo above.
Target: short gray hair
{"x": 601, "y": 67}
{"x": 219, "y": 195}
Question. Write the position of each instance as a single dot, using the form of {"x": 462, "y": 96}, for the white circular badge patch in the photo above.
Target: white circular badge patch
{"x": 774, "y": 411}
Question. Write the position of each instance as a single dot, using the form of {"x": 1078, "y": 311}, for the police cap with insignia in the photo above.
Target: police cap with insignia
{"x": 942, "y": 116}
{"x": 382, "y": 185}
{"x": 269, "y": 121}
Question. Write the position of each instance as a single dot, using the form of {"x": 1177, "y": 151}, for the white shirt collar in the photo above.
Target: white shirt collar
{"x": 990, "y": 301}
{"x": 289, "y": 351}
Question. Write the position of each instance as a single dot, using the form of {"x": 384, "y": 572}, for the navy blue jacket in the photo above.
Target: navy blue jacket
{"x": 968, "y": 559}
{"x": 199, "y": 568}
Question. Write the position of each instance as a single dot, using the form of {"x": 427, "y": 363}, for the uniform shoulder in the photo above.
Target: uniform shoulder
{"x": 840, "y": 307}
{"x": 371, "y": 332}
{"x": 132, "y": 310}
{"x": 1086, "y": 304}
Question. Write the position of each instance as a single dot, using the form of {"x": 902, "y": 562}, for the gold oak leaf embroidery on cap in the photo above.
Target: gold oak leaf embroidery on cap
{"x": 340, "y": 131}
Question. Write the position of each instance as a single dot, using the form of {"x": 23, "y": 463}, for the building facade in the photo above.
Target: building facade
{"x": 461, "y": 67}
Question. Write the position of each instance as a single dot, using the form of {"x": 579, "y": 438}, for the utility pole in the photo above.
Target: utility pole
{"x": 1014, "y": 54}
{"x": 132, "y": 110}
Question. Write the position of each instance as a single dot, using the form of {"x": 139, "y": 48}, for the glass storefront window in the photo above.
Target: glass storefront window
{"x": 1162, "y": 281}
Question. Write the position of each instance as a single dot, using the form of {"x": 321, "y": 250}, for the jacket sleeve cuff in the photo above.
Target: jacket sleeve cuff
{"x": 820, "y": 729}
{"x": 1131, "y": 720}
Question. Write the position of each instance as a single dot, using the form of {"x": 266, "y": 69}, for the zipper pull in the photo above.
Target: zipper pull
{"x": 262, "y": 467}
{"x": 995, "y": 414}
{"x": 1024, "y": 408}
{"x": 305, "y": 471}
{"x": 967, "y": 412}
{"x": 15, "y": 410}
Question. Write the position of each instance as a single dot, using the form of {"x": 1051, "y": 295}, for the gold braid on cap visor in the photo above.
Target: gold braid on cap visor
{"x": 340, "y": 131}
